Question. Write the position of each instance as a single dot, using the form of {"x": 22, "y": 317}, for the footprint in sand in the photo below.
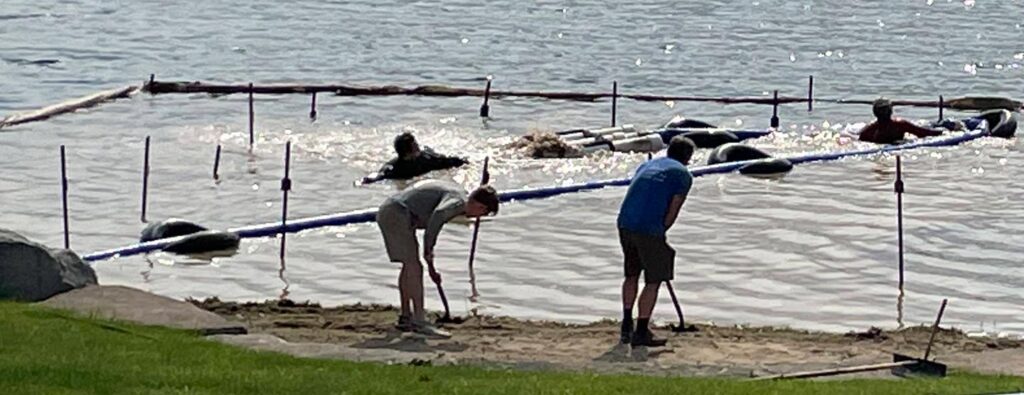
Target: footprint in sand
{"x": 618, "y": 353}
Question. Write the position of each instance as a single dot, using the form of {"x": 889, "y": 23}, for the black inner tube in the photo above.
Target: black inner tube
{"x": 735, "y": 152}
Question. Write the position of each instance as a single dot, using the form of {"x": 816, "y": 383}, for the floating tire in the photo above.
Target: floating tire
{"x": 169, "y": 228}
{"x": 765, "y": 164}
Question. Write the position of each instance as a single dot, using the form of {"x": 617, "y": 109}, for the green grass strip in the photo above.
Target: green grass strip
{"x": 45, "y": 351}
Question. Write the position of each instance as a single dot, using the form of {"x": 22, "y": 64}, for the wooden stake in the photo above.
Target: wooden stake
{"x": 64, "y": 197}
{"x": 145, "y": 179}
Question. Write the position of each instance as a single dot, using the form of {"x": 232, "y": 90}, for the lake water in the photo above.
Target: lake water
{"x": 814, "y": 250}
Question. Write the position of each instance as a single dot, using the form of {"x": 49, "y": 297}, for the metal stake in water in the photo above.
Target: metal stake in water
{"x": 64, "y": 196}
{"x": 252, "y": 122}
{"x": 216, "y": 164}
{"x": 810, "y": 93}
{"x": 145, "y": 179}
{"x": 615, "y": 99}
{"x": 312, "y": 107}
{"x": 485, "y": 109}
{"x": 898, "y": 188}
{"x": 775, "y": 111}
{"x": 286, "y": 185}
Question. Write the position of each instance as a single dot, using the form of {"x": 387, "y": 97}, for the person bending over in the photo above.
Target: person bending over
{"x": 413, "y": 161}
{"x": 426, "y": 205}
{"x": 651, "y": 205}
{"x": 888, "y": 130}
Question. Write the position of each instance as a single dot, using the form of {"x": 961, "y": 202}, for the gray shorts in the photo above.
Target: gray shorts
{"x": 399, "y": 232}
{"x": 649, "y": 254}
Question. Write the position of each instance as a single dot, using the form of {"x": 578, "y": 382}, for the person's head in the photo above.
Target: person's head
{"x": 882, "y": 108}
{"x": 406, "y": 146}
{"x": 482, "y": 201}
{"x": 681, "y": 149}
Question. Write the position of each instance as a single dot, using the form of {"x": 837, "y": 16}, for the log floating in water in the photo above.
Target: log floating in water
{"x": 961, "y": 103}
{"x": 68, "y": 106}
{"x": 430, "y": 90}
{"x": 155, "y": 87}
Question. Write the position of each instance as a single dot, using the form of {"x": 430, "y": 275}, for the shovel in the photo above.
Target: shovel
{"x": 921, "y": 366}
{"x": 447, "y": 317}
{"x": 682, "y": 328}
{"x": 901, "y": 365}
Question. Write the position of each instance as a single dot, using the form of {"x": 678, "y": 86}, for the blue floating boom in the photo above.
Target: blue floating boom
{"x": 368, "y": 215}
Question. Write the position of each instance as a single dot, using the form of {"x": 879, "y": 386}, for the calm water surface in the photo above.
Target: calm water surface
{"x": 813, "y": 250}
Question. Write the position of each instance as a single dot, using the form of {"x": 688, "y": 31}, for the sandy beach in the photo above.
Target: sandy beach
{"x": 735, "y": 351}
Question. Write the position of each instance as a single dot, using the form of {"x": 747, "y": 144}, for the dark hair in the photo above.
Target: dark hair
{"x": 487, "y": 196}
{"x": 404, "y": 143}
{"x": 681, "y": 149}
{"x": 882, "y": 108}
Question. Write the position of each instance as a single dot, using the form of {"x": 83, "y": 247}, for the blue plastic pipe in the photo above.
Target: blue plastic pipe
{"x": 369, "y": 215}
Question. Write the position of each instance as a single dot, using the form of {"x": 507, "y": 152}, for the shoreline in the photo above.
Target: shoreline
{"x": 506, "y": 342}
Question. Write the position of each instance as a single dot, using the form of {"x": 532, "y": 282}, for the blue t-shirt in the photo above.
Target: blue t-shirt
{"x": 650, "y": 193}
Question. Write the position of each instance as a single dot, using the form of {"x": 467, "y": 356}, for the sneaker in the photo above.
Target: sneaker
{"x": 626, "y": 334}
{"x": 404, "y": 324}
{"x": 429, "y": 330}
{"x": 646, "y": 338}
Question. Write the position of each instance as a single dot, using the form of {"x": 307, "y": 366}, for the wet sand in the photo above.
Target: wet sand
{"x": 736, "y": 351}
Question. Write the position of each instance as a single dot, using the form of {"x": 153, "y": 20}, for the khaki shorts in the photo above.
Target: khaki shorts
{"x": 649, "y": 254}
{"x": 396, "y": 225}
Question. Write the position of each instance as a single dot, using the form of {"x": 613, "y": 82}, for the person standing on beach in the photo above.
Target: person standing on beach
{"x": 426, "y": 205}
{"x": 651, "y": 205}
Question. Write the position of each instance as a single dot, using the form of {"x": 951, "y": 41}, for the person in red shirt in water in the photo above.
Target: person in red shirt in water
{"x": 889, "y": 130}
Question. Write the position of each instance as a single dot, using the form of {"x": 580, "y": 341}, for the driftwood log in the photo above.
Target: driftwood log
{"x": 68, "y": 106}
{"x": 157, "y": 87}
{"x": 960, "y": 103}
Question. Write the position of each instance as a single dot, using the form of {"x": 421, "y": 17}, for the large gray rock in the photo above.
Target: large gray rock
{"x": 30, "y": 271}
{"x": 130, "y": 304}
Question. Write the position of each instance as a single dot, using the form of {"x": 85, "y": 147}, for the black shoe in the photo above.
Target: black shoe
{"x": 404, "y": 324}
{"x": 645, "y": 337}
{"x": 626, "y": 335}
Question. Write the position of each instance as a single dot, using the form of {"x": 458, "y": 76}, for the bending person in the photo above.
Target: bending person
{"x": 655, "y": 196}
{"x": 412, "y": 161}
{"x": 888, "y": 130}
{"x": 427, "y": 205}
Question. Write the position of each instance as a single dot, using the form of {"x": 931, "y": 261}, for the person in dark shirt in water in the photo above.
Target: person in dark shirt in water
{"x": 412, "y": 161}
{"x": 889, "y": 130}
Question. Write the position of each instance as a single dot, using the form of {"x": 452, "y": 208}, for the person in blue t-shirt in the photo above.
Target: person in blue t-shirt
{"x": 651, "y": 206}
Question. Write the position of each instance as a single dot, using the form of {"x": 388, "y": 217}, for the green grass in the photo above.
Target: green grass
{"x": 50, "y": 351}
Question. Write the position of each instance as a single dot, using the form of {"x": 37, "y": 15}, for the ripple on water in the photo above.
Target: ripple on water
{"x": 748, "y": 250}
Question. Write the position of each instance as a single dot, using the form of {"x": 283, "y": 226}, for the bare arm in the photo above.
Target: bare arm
{"x": 673, "y": 210}
{"x": 918, "y": 131}
{"x": 448, "y": 209}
